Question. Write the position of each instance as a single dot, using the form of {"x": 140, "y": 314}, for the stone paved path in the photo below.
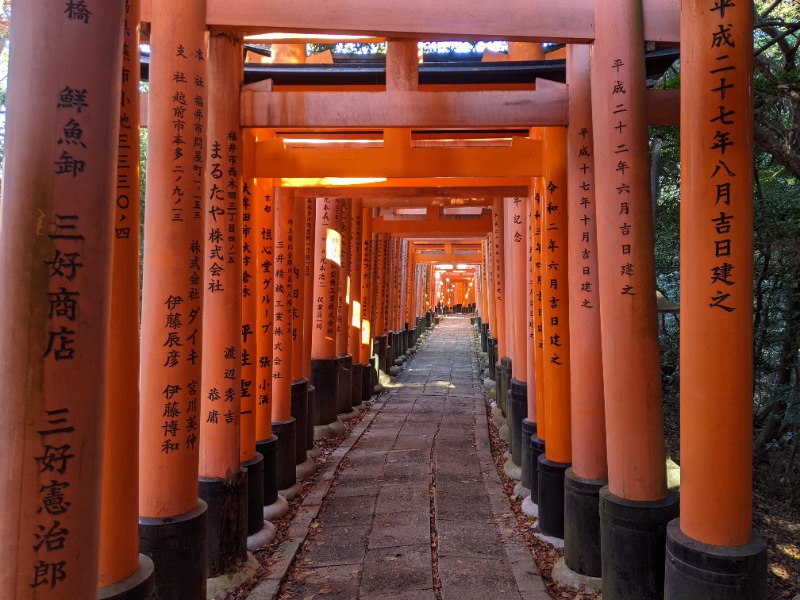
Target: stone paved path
{"x": 419, "y": 485}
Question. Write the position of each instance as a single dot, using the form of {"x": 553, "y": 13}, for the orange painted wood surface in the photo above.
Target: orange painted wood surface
{"x": 535, "y": 20}
{"x": 586, "y": 370}
{"x": 555, "y": 298}
{"x": 282, "y": 286}
{"x": 264, "y": 206}
{"x": 172, "y": 288}
{"x": 717, "y": 273}
{"x": 119, "y": 516}
{"x": 58, "y": 216}
{"x": 631, "y": 359}
{"x": 220, "y": 401}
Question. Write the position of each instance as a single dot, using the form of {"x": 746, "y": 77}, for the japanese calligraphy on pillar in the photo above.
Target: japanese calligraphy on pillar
{"x": 537, "y": 257}
{"x": 583, "y": 203}
{"x": 283, "y": 285}
{"x": 128, "y": 214}
{"x": 554, "y": 275}
{"x": 264, "y": 317}
{"x": 249, "y": 309}
{"x": 625, "y": 279}
{"x": 728, "y": 148}
{"x": 497, "y": 253}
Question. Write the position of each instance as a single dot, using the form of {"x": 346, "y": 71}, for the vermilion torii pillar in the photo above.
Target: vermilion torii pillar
{"x": 309, "y": 302}
{"x": 499, "y": 292}
{"x": 283, "y": 424}
{"x": 555, "y": 333}
{"x": 250, "y": 459}
{"x": 517, "y": 231}
{"x": 538, "y": 440}
{"x": 172, "y": 523}
{"x": 367, "y": 306}
{"x": 589, "y": 472}
{"x": 344, "y": 401}
{"x": 509, "y": 348}
{"x": 354, "y": 335}
{"x": 58, "y": 230}
{"x": 712, "y": 551}
{"x": 223, "y": 482}
{"x": 301, "y": 261}
{"x": 635, "y": 506}
{"x": 324, "y": 364}
{"x": 122, "y": 568}
{"x": 264, "y": 251}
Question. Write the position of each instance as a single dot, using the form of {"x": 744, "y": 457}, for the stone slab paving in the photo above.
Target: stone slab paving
{"x": 415, "y": 471}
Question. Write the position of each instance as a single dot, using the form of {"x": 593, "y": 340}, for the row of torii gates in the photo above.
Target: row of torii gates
{"x": 258, "y": 277}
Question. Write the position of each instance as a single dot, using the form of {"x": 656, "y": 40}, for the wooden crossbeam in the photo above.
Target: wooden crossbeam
{"x": 546, "y": 106}
{"x": 435, "y": 228}
{"x": 532, "y": 20}
{"x": 423, "y": 195}
{"x": 521, "y": 159}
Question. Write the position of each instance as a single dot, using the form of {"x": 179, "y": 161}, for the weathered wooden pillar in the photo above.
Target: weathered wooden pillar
{"x": 222, "y": 481}
{"x": 301, "y": 262}
{"x": 343, "y": 308}
{"x": 356, "y": 306}
{"x": 366, "y": 354}
{"x": 284, "y": 426}
{"x": 635, "y": 507}
{"x": 248, "y": 457}
{"x": 712, "y": 551}
{"x": 173, "y": 521}
{"x": 324, "y": 364}
{"x": 58, "y": 233}
{"x": 555, "y": 333}
{"x": 264, "y": 250}
{"x": 589, "y": 472}
{"x": 122, "y": 568}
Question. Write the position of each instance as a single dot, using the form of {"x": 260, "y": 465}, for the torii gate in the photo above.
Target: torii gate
{"x": 61, "y": 346}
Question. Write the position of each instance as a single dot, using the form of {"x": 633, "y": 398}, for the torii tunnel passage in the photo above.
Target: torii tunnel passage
{"x": 309, "y": 225}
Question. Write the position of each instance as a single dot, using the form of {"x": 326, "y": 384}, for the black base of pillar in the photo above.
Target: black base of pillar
{"x": 139, "y": 586}
{"x": 484, "y": 337}
{"x": 344, "y": 398}
{"x": 227, "y": 521}
{"x": 528, "y": 431}
{"x": 537, "y": 450}
{"x": 696, "y": 571}
{"x": 551, "y": 496}
{"x": 519, "y": 410}
{"x": 506, "y": 362}
{"x": 499, "y": 391}
{"x": 632, "y": 541}
{"x": 325, "y": 379}
{"x": 286, "y": 431}
{"x": 492, "y": 351}
{"x": 255, "y": 494}
{"x": 177, "y": 547}
{"x": 357, "y": 393}
{"x": 312, "y": 399}
{"x": 269, "y": 450}
{"x": 380, "y": 349}
{"x": 300, "y": 415}
{"x": 582, "y": 524}
{"x": 366, "y": 380}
